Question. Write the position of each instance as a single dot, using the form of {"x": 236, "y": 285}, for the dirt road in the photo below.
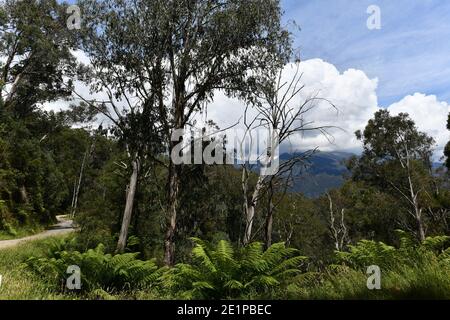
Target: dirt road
{"x": 63, "y": 226}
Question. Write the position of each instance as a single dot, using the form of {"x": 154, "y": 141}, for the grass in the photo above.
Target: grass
{"x": 427, "y": 280}
{"x": 20, "y": 233}
{"x": 18, "y": 283}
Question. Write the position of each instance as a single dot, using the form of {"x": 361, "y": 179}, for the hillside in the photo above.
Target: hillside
{"x": 322, "y": 171}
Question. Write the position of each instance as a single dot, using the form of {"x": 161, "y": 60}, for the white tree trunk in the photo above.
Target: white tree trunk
{"x": 251, "y": 208}
{"x": 415, "y": 201}
{"x": 131, "y": 192}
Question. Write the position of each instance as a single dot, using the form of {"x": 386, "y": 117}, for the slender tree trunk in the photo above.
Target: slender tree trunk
{"x": 174, "y": 188}
{"x": 245, "y": 208}
{"x": 333, "y": 229}
{"x": 421, "y": 229}
{"x": 174, "y": 182}
{"x": 419, "y": 221}
{"x": 268, "y": 229}
{"x": 73, "y": 196}
{"x": 249, "y": 224}
{"x": 9, "y": 98}
{"x": 290, "y": 232}
{"x": 338, "y": 232}
{"x": 76, "y": 194}
{"x": 415, "y": 202}
{"x": 251, "y": 211}
{"x": 269, "y": 218}
{"x": 78, "y": 185}
{"x": 131, "y": 192}
{"x": 343, "y": 230}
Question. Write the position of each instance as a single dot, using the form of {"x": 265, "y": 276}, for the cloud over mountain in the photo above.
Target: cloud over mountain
{"x": 355, "y": 96}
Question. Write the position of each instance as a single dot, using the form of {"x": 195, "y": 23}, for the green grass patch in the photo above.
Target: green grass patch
{"x": 18, "y": 282}
{"x": 17, "y": 233}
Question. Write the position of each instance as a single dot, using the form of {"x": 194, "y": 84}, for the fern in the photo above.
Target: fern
{"x": 437, "y": 243}
{"x": 99, "y": 270}
{"x": 220, "y": 271}
{"x": 366, "y": 253}
{"x": 410, "y": 252}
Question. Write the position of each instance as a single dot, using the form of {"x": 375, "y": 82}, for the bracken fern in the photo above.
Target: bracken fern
{"x": 220, "y": 271}
{"x": 98, "y": 269}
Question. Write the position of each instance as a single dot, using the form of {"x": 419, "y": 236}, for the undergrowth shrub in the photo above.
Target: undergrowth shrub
{"x": 220, "y": 271}
{"x": 411, "y": 271}
{"x": 99, "y": 271}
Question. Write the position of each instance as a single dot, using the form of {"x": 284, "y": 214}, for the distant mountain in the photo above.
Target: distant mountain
{"x": 323, "y": 171}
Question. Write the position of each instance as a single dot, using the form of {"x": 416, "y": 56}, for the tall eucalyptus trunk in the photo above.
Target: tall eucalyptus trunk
{"x": 131, "y": 193}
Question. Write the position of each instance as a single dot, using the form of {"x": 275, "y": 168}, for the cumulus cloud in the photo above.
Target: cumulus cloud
{"x": 352, "y": 93}
{"x": 429, "y": 114}
{"x": 355, "y": 96}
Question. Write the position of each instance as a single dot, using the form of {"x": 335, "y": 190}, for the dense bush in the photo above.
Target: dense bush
{"x": 411, "y": 271}
{"x": 98, "y": 270}
{"x": 220, "y": 271}
{"x": 216, "y": 272}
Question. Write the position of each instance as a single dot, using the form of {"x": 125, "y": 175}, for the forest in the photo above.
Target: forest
{"x": 146, "y": 226}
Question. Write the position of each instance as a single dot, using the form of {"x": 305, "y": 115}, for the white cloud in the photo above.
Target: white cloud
{"x": 429, "y": 114}
{"x": 352, "y": 92}
{"x": 355, "y": 97}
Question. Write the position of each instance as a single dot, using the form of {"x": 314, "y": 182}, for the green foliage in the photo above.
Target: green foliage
{"x": 411, "y": 271}
{"x": 299, "y": 222}
{"x": 19, "y": 282}
{"x": 397, "y": 159}
{"x": 36, "y": 44}
{"x": 427, "y": 280}
{"x": 98, "y": 269}
{"x": 367, "y": 252}
{"x": 220, "y": 271}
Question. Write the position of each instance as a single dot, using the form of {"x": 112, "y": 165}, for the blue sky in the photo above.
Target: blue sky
{"x": 410, "y": 53}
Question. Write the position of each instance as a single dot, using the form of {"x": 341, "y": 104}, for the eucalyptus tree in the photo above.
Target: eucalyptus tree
{"x": 36, "y": 63}
{"x": 132, "y": 122}
{"x": 177, "y": 53}
{"x": 36, "y": 49}
{"x": 395, "y": 157}
{"x": 112, "y": 73}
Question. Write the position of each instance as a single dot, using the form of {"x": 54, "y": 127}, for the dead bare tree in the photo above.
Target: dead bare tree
{"x": 280, "y": 111}
{"x": 77, "y": 185}
{"x": 338, "y": 230}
